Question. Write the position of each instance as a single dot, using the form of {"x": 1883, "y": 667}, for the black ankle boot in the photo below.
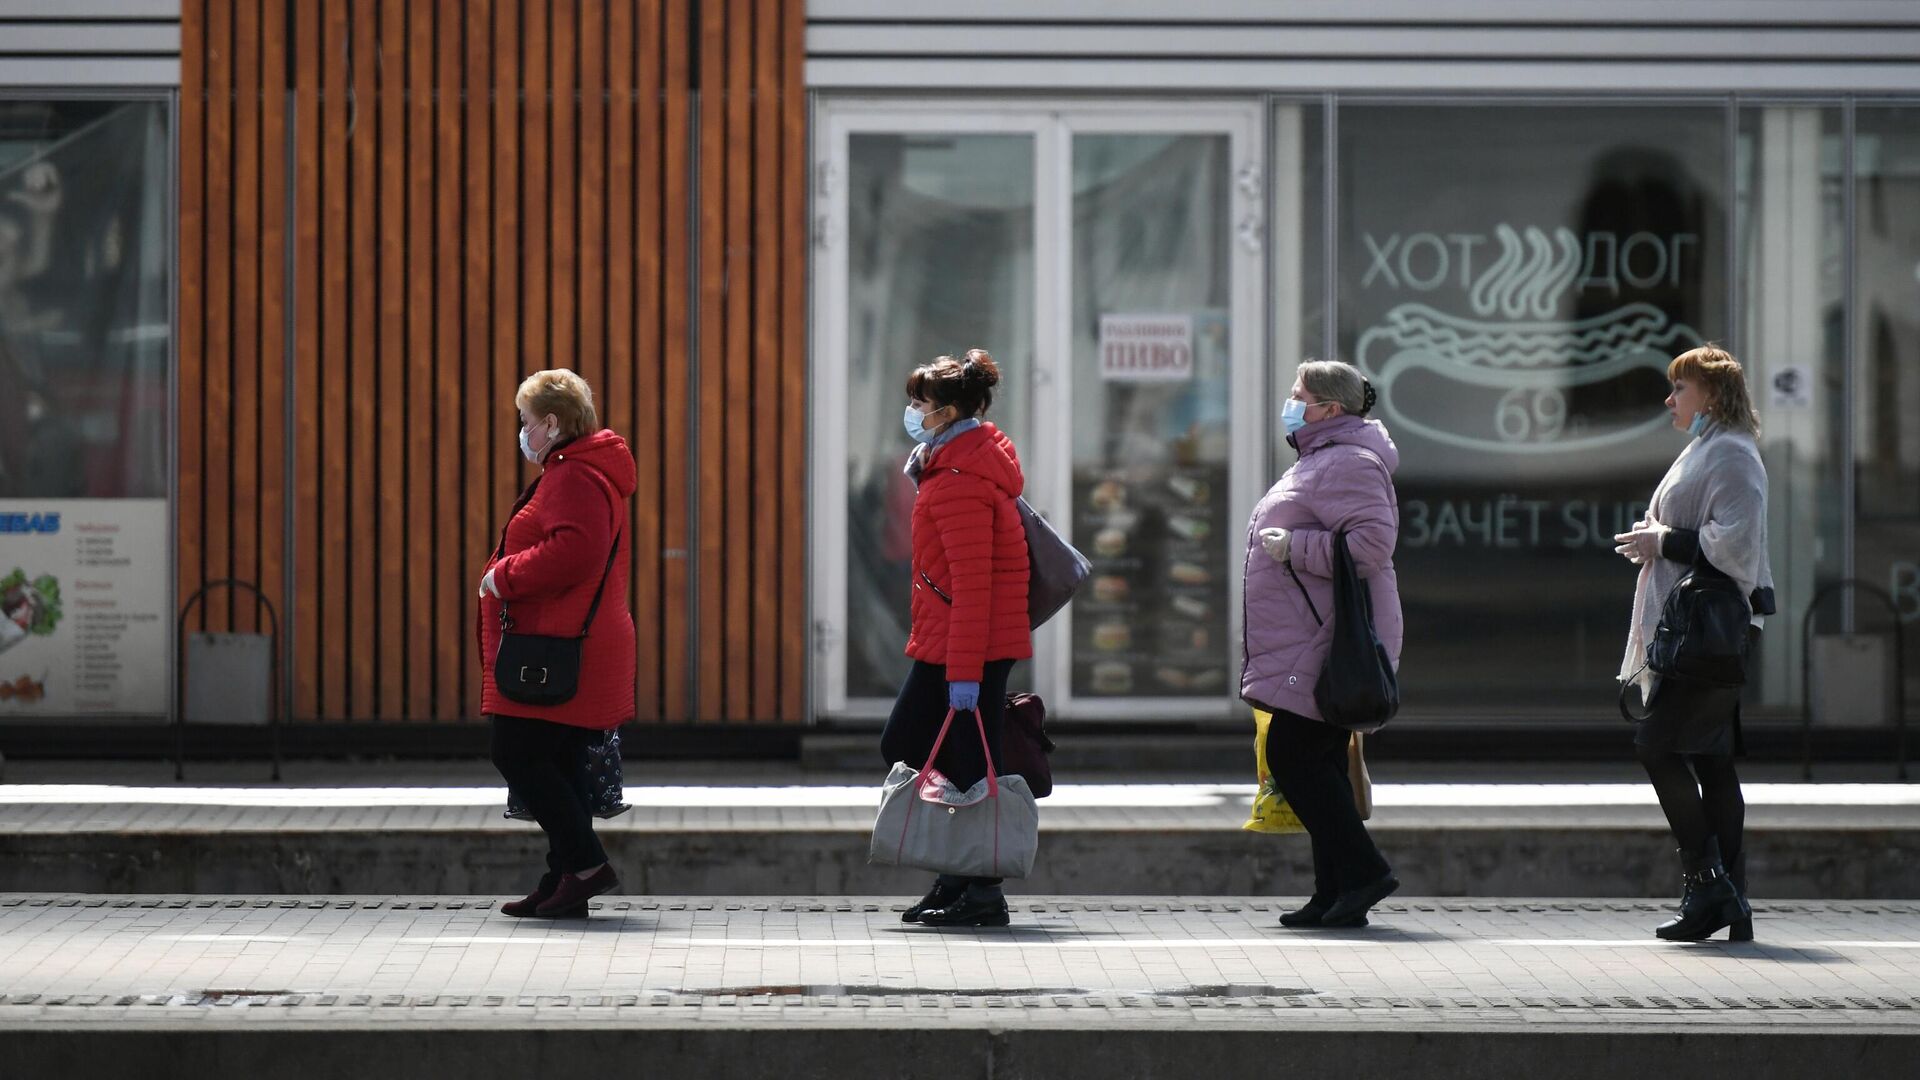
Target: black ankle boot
{"x": 1709, "y": 901}
{"x": 941, "y": 895}
{"x": 1741, "y": 929}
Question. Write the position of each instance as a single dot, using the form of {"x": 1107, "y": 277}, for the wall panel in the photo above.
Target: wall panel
{"x": 480, "y": 190}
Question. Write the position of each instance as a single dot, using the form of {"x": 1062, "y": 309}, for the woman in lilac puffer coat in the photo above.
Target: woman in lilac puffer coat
{"x": 1343, "y": 482}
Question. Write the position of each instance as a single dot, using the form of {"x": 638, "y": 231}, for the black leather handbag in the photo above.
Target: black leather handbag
{"x": 1702, "y": 635}
{"x": 1703, "y": 630}
{"x": 534, "y": 669}
{"x": 1358, "y": 688}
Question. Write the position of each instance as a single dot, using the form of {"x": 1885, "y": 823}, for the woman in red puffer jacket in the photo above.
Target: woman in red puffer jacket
{"x": 563, "y": 547}
{"x": 969, "y": 598}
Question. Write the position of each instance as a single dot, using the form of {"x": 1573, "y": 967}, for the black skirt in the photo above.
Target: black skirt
{"x": 1685, "y": 717}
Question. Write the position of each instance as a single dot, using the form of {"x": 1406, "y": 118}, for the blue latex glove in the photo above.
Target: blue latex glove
{"x": 962, "y": 696}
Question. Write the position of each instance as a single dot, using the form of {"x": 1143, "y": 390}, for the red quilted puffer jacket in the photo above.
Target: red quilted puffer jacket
{"x": 970, "y": 557}
{"x": 556, "y": 550}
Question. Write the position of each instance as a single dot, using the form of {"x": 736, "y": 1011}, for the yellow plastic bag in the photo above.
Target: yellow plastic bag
{"x": 1271, "y": 814}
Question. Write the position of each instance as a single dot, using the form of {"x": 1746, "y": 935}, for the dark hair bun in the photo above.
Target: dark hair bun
{"x": 978, "y": 367}
{"x": 1372, "y": 396}
{"x": 966, "y": 384}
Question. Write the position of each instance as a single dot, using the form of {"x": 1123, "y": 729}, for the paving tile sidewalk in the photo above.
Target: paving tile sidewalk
{"x": 28, "y": 809}
{"x": 168, "y": 960}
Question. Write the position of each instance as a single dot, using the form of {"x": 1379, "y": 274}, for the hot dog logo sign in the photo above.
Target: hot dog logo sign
{"x": 1513, "y": 355}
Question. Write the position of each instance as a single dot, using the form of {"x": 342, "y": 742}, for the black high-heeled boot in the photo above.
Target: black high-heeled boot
{"x": 1709, "y": 901}
{"x": 1740, "y": 929}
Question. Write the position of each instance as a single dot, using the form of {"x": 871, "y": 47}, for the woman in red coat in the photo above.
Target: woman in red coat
{"x": 969, "y": 599}
{"x": 562, "y": 552}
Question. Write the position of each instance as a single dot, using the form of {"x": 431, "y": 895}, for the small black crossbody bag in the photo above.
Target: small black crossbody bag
{"x": 534, "y": 669}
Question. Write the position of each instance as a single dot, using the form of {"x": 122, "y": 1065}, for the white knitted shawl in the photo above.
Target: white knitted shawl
{"x": 1718, "y": 486}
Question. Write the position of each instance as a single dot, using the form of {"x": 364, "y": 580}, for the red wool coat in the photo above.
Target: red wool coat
{"x": 556, "y": 548}
{"x": 969, "y": 545}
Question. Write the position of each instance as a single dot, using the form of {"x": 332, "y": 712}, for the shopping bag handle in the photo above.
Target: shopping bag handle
{"x": 986, "y": 751}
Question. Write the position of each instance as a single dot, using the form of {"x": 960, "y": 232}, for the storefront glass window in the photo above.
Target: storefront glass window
{"x": 84, "y": 322}
{"x": 85, "y": 336}
{"x": 1886, "y": 403}
{"x": 1792, "y": 249}
{"x": 1149, "y": 399}
{"x": 940, "y": 259}
{"x": 1514, "y": 280}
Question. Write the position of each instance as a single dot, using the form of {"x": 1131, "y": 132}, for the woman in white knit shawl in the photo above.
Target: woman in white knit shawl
{"x": 1711, "y": 507}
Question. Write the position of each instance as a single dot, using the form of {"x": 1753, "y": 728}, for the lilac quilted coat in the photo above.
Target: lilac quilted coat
{"x": 1343, "y": 482}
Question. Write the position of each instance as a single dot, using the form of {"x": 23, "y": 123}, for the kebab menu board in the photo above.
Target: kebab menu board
{"x": 84, "y": 629}
{"x": 1151, "y": 618}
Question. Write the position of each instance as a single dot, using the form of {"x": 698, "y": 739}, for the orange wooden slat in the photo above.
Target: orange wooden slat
{"x": 418, "y": 628}
{"x": 308, "y": 517}
{"x": 562, "y": 226}
{"x": 244, "y": 256}
{"x": 676, "y": 288}
{"x": 737, "y": 266}
{"x": 334, "y": 522}
{"x": 365, "y": 469}
{"x": 622, "y": 275}
{"x": 590, "y": 139}
{"x": 515, "y": 314}
{"x": 190, "y": 507}
{"x": 767, "y": 362}
{"x": 453, "y": 601}
{"x": 710, "y": 573}
{"x": 536, "y": 298}
{"x": 490, "y": 296}
{"x": 792, "y": 232}
{"x": 274, "y": 437}
{"x": 389, "y": 455}
{"x": 217, "y": 407}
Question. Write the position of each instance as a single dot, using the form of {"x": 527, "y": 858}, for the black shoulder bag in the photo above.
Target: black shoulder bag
{"x": 534, "y": 669}
{"x": 1358, "y": 689}
{"x": 1702, "y": 636}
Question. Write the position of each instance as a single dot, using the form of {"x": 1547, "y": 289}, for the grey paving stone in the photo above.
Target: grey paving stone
{"x": 1071, "y": 960}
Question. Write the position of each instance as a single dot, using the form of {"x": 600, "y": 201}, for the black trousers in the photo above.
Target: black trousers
{"x": 915, "y": 722}
{"x": 546, "y": 765}
{"x": 922, "y": 707}
{"x": 1308, "y": 760}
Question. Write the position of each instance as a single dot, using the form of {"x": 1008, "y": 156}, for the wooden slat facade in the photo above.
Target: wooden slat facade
{"x": 391, "y": 211}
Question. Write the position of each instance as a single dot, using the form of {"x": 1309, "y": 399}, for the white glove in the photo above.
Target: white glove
{"x": 1642, "y": 544}
{"x": 1278, "y": 542}
{"x": 487, "y": 586}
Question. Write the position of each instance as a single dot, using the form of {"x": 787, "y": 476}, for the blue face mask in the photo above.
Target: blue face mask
{"x": 1699, "y": 425}
{"x": 917, "y": 426}
{"x": 1293, "y": 415}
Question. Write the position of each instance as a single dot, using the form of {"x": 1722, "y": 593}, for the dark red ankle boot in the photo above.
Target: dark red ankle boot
{"x": 520, "y": 909}
{"x": 571, "y": 896}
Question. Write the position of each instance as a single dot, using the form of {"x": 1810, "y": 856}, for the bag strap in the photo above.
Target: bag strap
{"x": 602, "y": 588}
{"x": 1626, "y": 687}
{"x": 986, "y": 751}
{"x": 1305, "y": 594}
{"x": 506, "y": 623}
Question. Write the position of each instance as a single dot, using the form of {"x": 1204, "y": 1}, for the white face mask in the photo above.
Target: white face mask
{"x": 526, "y": 449}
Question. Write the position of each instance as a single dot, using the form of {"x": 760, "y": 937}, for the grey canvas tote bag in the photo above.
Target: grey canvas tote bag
{"x": 990, "y": 830}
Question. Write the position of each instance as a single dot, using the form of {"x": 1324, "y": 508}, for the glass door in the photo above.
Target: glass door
{"x": 1158, "y": 434}
{"x": 1108, "y": 256}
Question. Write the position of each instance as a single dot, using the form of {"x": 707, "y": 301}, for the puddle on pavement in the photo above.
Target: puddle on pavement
{"x": 1221, "y": 990}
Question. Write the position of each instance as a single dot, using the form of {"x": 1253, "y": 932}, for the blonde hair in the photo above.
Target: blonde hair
{"x": 1725, "y": 381}
{"x": 563, "y": 394}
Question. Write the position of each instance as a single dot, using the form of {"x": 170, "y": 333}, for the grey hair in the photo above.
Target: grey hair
{"x": 1335, "y": 380}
